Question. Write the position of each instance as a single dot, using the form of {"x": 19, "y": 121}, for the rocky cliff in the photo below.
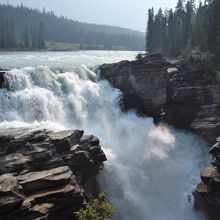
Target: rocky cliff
{"x": 207, "y": 193}
{"x": 186, "y": 95}
{"x": 143, "y": 83}
{"x": 43, "y": 174}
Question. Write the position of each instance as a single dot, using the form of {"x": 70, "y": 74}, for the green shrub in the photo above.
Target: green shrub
{"x": 98, "y": 209}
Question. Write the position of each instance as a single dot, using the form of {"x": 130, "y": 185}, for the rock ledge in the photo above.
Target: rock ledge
{"x": 43, "y": 173}
{"x": 207, "y": 193}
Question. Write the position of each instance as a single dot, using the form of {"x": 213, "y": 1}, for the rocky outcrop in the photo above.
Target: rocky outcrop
{"x": 194, "y": 99}
{"x": 186, "y": 95}
{"x": 207, "y": 193}
{"x": 143, "y": 82}
{"x": 2, "y": 80}
{"x": 43, "y": 173}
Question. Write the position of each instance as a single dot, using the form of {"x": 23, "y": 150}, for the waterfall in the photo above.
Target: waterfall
{"x": 151, "y": 170}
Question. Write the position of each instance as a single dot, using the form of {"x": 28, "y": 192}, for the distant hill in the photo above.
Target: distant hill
{"x": 23, "y": 24}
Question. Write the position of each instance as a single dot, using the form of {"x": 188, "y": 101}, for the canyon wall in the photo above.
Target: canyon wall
{"x": 185, "y": 95}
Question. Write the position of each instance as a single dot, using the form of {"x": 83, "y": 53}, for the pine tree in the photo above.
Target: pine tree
{"x": 41, "y": 40}
{"x": 180, "y": 27}
{"x": 164, "y": 32}
{"x": 34, "y": 33}
{"x": 2, "y": 32}
{"x": 186, "y": 28}
{"x": 214, "y": 25}
{"x": 171, "y": 34}
{"x": 149, "y": 31}
{"x": 158, "y": 24}
{"x": 26, "y": 37}
{"x": 12, "y": 34}
{"x": 180, "y": 7}
{"x": 188, "y": 22}
{"x": 201, "y": 28}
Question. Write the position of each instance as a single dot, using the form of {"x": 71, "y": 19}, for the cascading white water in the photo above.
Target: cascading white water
{"x": 151, "y": 171}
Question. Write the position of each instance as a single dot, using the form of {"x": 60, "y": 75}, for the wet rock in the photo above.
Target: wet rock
{"x": 35, "y": 181}
{"x": 193, "y": 101}
{"x": 92, "y": 140}
{"x": 215, "y": 149}
{"x": 207, "y": 193}
{"x": 211, "y": 177}
{"x": 42, "y": 173}
{"x": 2, "y": 79}
{"x": 143, "y": 82}
{"x": 10, "y": 194}
{"x": 65, "y": 139}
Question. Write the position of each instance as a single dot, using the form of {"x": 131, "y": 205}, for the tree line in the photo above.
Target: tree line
{"x": 34, "y": 37}
{"x": 177, "y": 32}
{"x": 8, "y": 37}
{"x": 31, "y": 27}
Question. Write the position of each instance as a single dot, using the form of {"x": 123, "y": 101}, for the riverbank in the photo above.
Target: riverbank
{"x": 58, "y": 46}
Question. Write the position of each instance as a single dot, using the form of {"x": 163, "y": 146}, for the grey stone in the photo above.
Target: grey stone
{"x": 40, "y": 173}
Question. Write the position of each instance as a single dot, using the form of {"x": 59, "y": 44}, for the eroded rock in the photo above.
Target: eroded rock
{"x": 207, "y": 193}
{"x": 185, "y": 95}
{"x": 42, "y": 173}
{"x": 143, "y": 82}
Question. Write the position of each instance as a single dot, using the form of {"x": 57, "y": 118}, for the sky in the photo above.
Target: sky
{"x": 124, "y": 13}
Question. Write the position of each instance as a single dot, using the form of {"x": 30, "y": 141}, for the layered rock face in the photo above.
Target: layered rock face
{"x": 43, "y": 173}
{"x": 194, "y": 99}
{"x": 143, "y": 82}
{"x": 207, "y": 193}
{"x": 185, "y": 95}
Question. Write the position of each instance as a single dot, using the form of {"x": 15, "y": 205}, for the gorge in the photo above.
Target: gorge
{"x": 151, "y": 171}
{"x": 184, "y": 94}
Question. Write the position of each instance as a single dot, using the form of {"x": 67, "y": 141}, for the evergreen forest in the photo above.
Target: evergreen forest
{"x": 188, "y": 27}
{"x": 22, "y": 27}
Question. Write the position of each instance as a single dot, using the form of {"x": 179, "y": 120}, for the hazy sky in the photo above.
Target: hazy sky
{"x": 124, "y": 13}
